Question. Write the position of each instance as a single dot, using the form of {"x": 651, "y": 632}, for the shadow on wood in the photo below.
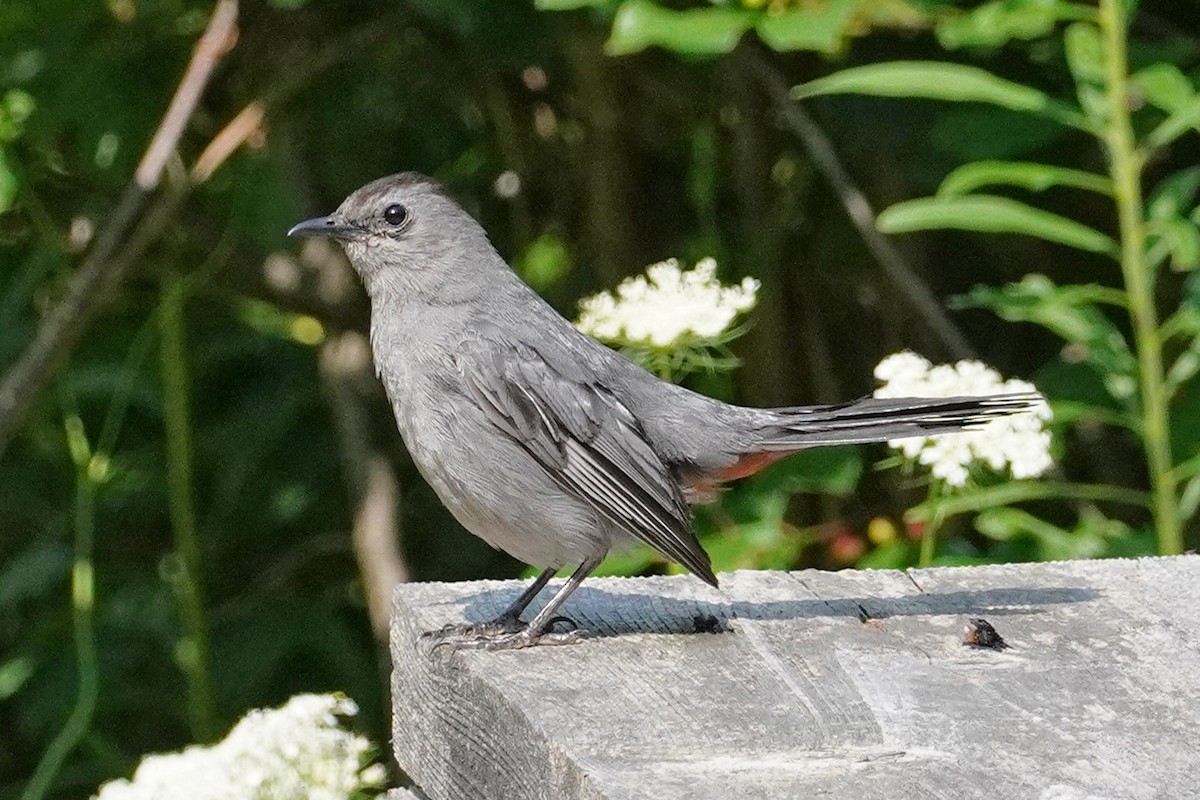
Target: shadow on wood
{"x": 839, "y": 685}
{"x": 617, "y": 614}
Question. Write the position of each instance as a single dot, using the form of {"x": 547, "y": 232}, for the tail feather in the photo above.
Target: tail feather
{"x": 878, "y": 419}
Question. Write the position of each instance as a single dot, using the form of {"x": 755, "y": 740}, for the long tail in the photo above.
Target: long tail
{"x": 881, "y": 419}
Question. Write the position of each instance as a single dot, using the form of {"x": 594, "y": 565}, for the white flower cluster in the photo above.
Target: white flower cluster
{"x": 667, "y": 305}
{"x": 296, "y": 752}
{"x": 1018, "y": 444}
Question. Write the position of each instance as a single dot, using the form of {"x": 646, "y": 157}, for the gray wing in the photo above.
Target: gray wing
{"x": 587, "y": 440}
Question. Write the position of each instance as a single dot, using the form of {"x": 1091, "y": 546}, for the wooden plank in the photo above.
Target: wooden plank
{"x": 832, "y": 685}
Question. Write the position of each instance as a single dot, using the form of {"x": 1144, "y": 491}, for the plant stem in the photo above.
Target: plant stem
{"x": 193, "y": 650}
{"x": 937, "y": 493}
{"x": 1125, "y": 167}
{"x": 83, "y": 598}
{"x": 928, "y": 545}
{"x": 1012, "y": 492}
{"x": 821, "y": 153}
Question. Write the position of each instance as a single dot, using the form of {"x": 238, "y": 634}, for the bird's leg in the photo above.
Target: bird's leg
{"x": 539, "y": 627}
{"x": 537, "y": 631}
{"x": 512, "y": 614}
{"x": 509, "y": 620}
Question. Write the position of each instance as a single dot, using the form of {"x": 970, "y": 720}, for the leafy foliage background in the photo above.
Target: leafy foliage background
{"x": 636, "y": 135}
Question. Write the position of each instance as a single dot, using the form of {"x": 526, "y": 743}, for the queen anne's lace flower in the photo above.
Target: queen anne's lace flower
{"x": 296, "y": 752}
{"x": 666, "y": 306}
{"x": 1017, "y": 444}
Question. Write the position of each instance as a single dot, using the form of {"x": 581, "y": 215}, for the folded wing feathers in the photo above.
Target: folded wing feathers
{"x": 658, "y": 525}
{"x": 592, "y": 446}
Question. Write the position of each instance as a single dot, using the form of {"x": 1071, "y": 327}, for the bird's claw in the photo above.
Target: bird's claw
{"x": 474, "y": 630}
{"x": 503, "y": 639}
{"x": 526, "y": 638}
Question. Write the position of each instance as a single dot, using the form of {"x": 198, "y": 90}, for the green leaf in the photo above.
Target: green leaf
{"x": 1006, "y": 523}
{"x": 1089, "y": 539}
{"x": 823, "y": 27}
{"x": 1085, "y": 58}
{"x": 1070, "y": 312}
{"x": 1191, "y": 291}
{"x": 705, "y": 31}
{"x": 15, "y": 109}
{"x": 1072, "y": 294}
{"x": 1070, "y": 412}
{"x": 1171, "y": 233}
{"x": 1024, "y": 174}
{"x": 768, "y": 543}
{"x": 8, "y": 183}
{"x": 1174, "y": 195}
{"x": 968, "y": 500}
{"x": 1181, "y": 239}
{"x": 991, "y": 214}
{"x": 934, "y": 80}
{"x": 1189, "y": 499}
{"x": 14, "y": 673}
{"x": 545, "y": 261}
{"x": 1184, "y": 322}
{"x": 1184, "y": 368}
{"x": 1085, "y": 53}
{"x": 903, "y": 14}
{"x": 634, "y": 560}
{"x": 996, "y": 23}
{"x": 1180, "y": 122}
{"x": 826, "y": 470}
{"x": 897, "y": 554}
{"x": 1164, "y": 86}
{"x": 569, "y": 5}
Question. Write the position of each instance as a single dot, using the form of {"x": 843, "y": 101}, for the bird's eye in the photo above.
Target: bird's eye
{"x": 395, "y": 214}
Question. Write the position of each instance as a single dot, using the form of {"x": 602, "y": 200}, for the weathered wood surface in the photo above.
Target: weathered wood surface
{"x": 832, "y": 685}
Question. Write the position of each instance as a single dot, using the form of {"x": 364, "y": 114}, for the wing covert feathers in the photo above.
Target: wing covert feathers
{"x": 589, "y": 443}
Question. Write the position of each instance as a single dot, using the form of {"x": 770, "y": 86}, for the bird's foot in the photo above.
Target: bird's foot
{"x": 475, "y": 630}
{"x": 521, "y": 639}
{"x": 503, "y": 634}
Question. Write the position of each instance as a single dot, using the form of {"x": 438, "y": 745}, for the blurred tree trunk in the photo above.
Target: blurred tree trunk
{"x": 771, "y": 378}
{"x": 601, "y": 158}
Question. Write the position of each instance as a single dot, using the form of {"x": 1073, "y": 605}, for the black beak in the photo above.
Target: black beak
{"x": 324, "y": 226}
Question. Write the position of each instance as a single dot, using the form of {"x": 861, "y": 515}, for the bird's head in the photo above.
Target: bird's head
{"x": 403, "y": 233}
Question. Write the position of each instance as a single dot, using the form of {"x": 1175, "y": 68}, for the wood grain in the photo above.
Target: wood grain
{"x": 832, "y": 685}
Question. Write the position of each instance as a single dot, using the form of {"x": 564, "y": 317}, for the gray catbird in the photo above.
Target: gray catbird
{"x": 542, "y": 441}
